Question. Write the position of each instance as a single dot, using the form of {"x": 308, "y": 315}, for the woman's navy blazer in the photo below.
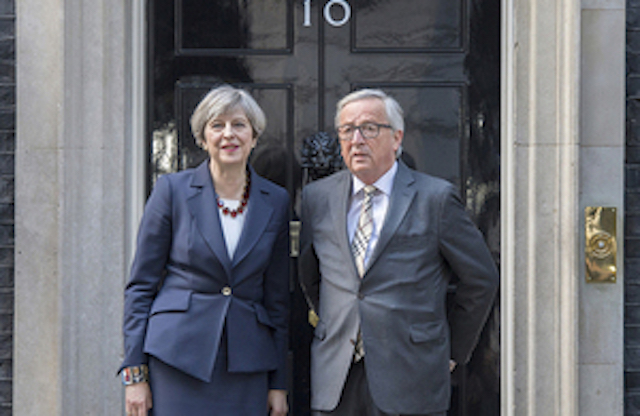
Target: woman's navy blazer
{"x": 184, "y": 289}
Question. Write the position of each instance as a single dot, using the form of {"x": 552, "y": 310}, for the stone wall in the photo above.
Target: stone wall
{"x": 72, "y": 142}
{"x": 7, "y": 196}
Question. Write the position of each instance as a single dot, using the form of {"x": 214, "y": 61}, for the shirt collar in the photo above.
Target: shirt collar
{"x": 383, "y": 184}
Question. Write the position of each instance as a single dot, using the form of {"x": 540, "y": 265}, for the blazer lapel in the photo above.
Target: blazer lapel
{"x": 401, "y": 196}
{"x": 340, "y": 208}
{"x": 202, "y": 204}
{"x": 258, "y": 217}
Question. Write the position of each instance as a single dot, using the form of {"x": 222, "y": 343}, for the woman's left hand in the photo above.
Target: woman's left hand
{"x": 277, "y": 403}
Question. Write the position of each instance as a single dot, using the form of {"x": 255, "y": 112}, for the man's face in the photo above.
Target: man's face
{"x": 368, "y": 159}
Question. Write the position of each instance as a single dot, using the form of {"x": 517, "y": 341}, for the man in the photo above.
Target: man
{"x": 379, "y": 244}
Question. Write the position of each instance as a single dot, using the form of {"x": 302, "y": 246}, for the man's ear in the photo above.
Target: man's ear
{"x": 397, "y": 137}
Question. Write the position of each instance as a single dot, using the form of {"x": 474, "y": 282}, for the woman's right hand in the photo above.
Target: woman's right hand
{"x": 138, "y": 399}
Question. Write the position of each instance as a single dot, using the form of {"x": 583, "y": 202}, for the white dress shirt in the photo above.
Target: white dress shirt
{"x": 383, "y": 185}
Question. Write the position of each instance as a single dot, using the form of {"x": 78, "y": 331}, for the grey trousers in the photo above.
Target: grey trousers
{"x": 356, "y": 399}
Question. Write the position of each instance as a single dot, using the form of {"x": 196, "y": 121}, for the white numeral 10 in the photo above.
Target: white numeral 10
{"x": 327, "y": 12}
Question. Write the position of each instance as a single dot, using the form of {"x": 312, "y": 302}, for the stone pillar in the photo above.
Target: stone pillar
{"x": 563, "y": 149}
{"x": 72, "y": 117}
{"x": 540, "y": 215}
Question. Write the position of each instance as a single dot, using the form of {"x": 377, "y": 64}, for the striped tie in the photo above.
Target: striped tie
{"x": 364, "y": 230}
{"x": 359, "y": 249}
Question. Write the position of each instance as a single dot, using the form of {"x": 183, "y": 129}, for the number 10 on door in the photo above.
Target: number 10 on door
{"x": 346, "y": 13}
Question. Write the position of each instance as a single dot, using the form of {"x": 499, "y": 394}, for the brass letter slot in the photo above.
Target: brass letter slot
{"x": 600, "y": 244}
{"x": 294, "y": 235}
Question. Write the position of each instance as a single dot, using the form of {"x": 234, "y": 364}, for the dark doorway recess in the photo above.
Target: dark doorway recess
{"x": 439, "y": 58}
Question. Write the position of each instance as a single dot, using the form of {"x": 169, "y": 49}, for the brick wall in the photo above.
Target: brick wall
{"x": 632, "y": 215}
{"x": 7, "y": 193}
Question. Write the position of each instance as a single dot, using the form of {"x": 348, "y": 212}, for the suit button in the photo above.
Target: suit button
{"x": 360, "y": 296}
{"x": 226, "y": 291}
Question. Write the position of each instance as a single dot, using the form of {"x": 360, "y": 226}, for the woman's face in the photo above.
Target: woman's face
{"x": 229, "y": 138}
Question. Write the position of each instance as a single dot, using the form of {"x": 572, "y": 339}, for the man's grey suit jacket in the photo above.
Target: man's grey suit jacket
{"x": 400, "y": 301}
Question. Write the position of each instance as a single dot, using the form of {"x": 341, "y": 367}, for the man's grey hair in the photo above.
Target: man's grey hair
{"x": 395, "y": 115}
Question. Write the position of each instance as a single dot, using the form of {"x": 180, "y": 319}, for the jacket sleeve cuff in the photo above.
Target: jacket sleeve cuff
{"x": 277, "y": 380}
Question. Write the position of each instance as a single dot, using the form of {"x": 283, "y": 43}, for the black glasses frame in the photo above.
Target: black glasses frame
{"x": 346, "y": 132}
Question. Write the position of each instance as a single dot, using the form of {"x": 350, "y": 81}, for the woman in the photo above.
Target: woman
{"x": 206, "y": 307}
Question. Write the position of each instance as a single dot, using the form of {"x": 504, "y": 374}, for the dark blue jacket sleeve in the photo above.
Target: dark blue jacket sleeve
{"x": 147, "y": 270}
{"x": 276, "y": 297}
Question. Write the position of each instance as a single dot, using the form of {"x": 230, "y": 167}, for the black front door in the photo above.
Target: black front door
{"x": 439, "y": 58}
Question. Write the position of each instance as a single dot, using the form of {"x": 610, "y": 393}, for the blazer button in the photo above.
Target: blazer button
{"x": 360, "y": 296}
{"x": 226, "y": 291}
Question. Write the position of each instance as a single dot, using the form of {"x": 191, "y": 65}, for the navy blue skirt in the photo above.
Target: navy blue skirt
{"x": 175, "y": 393}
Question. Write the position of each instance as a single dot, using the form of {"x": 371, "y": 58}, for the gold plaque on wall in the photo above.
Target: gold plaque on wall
{"x": 600, "y": 244}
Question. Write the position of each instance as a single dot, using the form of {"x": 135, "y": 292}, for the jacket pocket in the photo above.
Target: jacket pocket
{"x": 418, "y": 241}
{"x": 262, "y": 315}
{"x": 172, "y": 301}
{"x": 427, "y": 332}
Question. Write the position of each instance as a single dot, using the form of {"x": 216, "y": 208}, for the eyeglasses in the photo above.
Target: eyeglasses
{"x": 367, "y": 130}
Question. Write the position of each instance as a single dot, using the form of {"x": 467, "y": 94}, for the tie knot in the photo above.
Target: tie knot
{"x": 369, "y": 190}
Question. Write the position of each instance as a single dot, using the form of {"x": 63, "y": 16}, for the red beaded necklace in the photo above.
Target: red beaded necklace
{"x": 243, "y": 203}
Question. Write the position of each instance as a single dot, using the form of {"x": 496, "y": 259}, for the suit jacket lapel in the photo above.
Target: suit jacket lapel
{"x": 202, "y": 204}
{"x": 340, "y": 208}
{"x": 258, "y": 217}
{"x": 401, "y": 196}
